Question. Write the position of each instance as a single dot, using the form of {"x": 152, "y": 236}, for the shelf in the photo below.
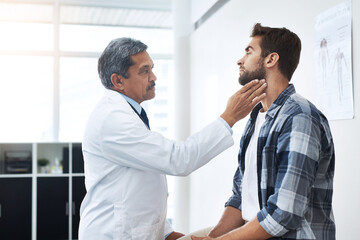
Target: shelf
{"x": 16, "y": 175}
{"x": 62, "y": 186}
{"x": 16, "y": 158}
{"x": 22, "y": 159}
{"x": 54, "y": 154}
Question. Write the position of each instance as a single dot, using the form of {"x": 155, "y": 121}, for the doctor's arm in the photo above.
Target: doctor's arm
{"x": 131, "y": 145}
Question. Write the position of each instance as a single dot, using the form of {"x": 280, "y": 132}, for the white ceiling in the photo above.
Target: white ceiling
{"x": 71, "y": 14}
{"x": 134, "y": 13}
{"x": 133, "y": 4}
{"x": 137, "y": 4}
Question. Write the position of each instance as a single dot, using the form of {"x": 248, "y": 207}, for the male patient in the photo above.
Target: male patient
{"x": 283, "y": 186}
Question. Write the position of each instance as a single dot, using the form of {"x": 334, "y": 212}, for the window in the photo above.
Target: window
{"x": 80, "y": 89}
{"x": 84, "y": 38}
{"x": 48, "y": 51}
{"x": 23, "y": 36}
{"x": 26, "y": 94}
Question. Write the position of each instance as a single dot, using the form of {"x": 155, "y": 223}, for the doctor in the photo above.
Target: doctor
{"x": 126, "y": 163}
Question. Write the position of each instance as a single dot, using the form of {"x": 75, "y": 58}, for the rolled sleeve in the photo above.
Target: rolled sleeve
{"x": 234, "y": 201}
{"x": 269, "y": 224}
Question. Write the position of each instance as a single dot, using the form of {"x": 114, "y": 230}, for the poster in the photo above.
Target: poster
{"x": 333, "y": 55}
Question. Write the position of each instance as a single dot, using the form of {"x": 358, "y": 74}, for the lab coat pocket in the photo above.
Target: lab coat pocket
{"x": 153, "y": 232}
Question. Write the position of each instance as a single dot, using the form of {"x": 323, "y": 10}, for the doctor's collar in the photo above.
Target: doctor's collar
{"x": 133, "y": 103}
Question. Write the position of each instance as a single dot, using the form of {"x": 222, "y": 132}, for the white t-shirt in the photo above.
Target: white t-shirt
{"x": 250, "y": 198}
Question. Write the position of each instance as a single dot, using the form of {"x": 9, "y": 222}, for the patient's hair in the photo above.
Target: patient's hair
{"x": 282, "y": 41}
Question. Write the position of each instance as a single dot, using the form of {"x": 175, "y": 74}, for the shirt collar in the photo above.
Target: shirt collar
{"x": 133, "y": 103}
{"x": 276, "y": 105}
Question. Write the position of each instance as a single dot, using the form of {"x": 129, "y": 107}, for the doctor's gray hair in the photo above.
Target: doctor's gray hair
{"x": 116, "y": 58}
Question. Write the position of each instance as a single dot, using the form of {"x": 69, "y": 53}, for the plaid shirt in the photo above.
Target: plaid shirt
{"x": 295, "y": 169}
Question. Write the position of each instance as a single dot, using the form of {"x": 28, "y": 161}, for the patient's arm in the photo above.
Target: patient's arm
{"x": 231, "y": 219}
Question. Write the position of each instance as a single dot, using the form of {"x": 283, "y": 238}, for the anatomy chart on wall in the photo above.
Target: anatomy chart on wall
{"x": 334, "y": 85}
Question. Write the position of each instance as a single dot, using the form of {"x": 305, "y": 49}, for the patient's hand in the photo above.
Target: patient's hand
{"x": 174, "y": 235}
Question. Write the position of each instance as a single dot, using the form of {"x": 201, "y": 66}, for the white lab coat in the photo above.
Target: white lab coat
{"x": 125, "y": 168}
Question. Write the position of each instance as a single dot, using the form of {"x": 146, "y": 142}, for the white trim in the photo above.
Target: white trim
{"x": 34, "y": 192}
{"x": 56, "y": 91}
{"x": 211, "y": 11}
{"x": 70, "y": 191}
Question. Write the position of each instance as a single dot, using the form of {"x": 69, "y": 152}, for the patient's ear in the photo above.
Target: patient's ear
{"x": 117, "y": 81}
{"x": 272, "y": 59}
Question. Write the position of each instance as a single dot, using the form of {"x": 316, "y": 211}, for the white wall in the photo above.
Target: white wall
{"x": 215, "y": 48}
{"x": 199, "y": 8}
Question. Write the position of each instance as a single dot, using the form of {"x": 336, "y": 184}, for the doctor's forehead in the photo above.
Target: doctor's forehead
{"x": 142, "y": 59}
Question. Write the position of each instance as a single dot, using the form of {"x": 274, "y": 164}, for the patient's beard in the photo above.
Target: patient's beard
{"x": 259, "y": 73}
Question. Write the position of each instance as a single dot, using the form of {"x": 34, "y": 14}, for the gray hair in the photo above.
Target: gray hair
{"x": 116, "y": 58}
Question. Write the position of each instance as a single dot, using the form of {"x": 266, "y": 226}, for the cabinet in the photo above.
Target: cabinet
{"x": 52, "y": 208}
{"x": 40, "y": 202}
{"x": 78, "y": 193}
{"x": 15, "y": 208}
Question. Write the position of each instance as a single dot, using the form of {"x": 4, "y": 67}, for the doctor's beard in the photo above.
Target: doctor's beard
{"x": 247, "y": 77}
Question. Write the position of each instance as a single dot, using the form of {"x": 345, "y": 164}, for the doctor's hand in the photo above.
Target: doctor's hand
{"x": 243, "y": 101}
{"x": 174, "y": 235}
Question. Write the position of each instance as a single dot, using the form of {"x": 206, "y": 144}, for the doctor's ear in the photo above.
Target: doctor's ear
{"x": 272, "y": 59}
{"x": 117, "y": 82}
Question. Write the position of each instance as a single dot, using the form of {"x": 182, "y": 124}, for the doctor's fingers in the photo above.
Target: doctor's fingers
{"x": 258, "y": 95}
{"x": 250, "y": 87}
{"x": 255, "y": 86}
{"x": 256, "y": 100}
{"x": 260, "y": 88}
{"x": 241, "y": 105}
{"x": 254, "y": 95}
{"x": 246, "y": 98}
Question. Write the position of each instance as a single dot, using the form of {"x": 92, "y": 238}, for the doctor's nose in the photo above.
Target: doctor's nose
{"x": 240, "y": 62}
{"x": 153, "y": 76}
